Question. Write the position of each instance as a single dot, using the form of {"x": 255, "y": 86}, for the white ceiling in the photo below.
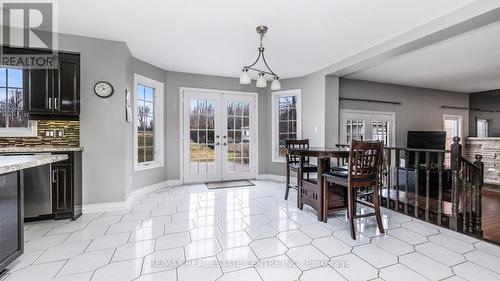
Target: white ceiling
{"x": 217, "y": 37}
{"x": 466, "y": 63}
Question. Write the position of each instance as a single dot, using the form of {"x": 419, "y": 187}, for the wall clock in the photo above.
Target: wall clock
{"x": 103, "y": 89}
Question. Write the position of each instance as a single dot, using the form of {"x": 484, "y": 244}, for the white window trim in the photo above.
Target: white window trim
{"x": 460, "y": 124}
{"x": 274, "y": 99}
{"x": 391, "y": 117}
{"x": 12, "y": 132}
{"x": 159, "y": 147}
{"x": 487, "y": 122}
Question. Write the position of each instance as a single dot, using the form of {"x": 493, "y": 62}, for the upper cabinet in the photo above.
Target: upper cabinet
{"x": 67, "y": 92}
{"x": 54, "y": 93}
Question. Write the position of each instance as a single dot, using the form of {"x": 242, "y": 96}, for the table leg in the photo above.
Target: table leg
{"x": 300, "y": 205}
{"x": 323, "y": 166}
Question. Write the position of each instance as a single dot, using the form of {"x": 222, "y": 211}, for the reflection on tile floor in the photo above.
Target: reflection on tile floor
{"x": 244, "y": 234}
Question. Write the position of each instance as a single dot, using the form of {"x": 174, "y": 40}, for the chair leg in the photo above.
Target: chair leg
{"x": 376, "y": 203}
{"x": 287, "y": 189}
{"x": 350, "y": 214}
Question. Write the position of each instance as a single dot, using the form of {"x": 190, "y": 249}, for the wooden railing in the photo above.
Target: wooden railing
{"x": 468, "y": 181}
{"x": 438, "y": 186}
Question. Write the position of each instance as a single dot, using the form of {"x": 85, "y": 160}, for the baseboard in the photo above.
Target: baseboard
{"x": 104, "y": 207}
{"x": 271, "y": 177}
{"x": 118, "y": 206}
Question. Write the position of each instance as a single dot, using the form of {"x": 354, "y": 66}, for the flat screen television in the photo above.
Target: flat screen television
{"x": 426, "y": 139}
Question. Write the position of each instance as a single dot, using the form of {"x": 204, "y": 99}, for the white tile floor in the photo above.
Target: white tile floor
{"x": 244, "y": 234}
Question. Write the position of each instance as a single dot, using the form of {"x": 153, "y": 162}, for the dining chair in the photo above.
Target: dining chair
{"x": 293, "y": 163}
{"x": 361, "y": 180}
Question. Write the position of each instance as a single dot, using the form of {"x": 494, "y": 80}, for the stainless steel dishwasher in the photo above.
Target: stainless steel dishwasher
{"x": 37, "y": 185}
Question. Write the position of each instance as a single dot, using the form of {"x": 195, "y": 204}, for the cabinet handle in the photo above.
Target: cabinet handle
{"x": 54, "y": 179}
{"x": 50, "y": 103}
{"x": 56, "y": 104}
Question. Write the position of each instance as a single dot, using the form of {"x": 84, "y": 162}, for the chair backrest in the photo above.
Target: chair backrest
{"x": 295, "y": 144}
{"x": 365, "y": 159}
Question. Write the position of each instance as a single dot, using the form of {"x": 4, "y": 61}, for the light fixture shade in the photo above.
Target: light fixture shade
{"x": 261, "y": 81}
{"x": 245, "y": 77}
{"x": 276, "y": 84}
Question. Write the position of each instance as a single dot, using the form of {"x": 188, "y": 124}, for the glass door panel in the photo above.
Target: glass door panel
{"x": 238, "y": 121}
{"x": 202, "y": 145}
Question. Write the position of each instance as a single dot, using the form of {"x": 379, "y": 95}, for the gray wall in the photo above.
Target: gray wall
{"x": 103, "y": 130}
{"x": 421, "y": 109}
{"x": 314, "y": 105}
{"x": 489, "y": 100}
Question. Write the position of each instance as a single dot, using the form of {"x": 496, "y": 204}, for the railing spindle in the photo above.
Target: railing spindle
{"x": 427, "y": 183}
{"x": 417, "y": 164}
{"x": 440, "y": 187}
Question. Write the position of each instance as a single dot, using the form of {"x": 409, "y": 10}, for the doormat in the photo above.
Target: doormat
{"x": 228, "y": 184}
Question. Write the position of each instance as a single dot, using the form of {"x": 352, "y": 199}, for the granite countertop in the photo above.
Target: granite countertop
{"x": 16, "y": 149}
{"x": 15, "y": 163}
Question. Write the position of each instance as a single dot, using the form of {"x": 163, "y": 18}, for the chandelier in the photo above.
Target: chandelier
{"x": 261, "y": 79}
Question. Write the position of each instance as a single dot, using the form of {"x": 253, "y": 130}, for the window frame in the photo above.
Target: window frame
{"x": 158, "y": 118}
{"x": 458, "y": 118}
{"x": 367, "y": 116}
{"x": 297, "y": 93}
{"x": 487, "y": 127}
{"x": 29, "y": 131}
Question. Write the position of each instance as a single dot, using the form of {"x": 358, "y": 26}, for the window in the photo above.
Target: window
{"x": 286, "y": 121}
{"x": 453, "y": 126}
{"x": 482, "y": 128}
{"x": 367, "y": 125}
{"x": 148, "y": 132}
{"x": 13, "y": 120}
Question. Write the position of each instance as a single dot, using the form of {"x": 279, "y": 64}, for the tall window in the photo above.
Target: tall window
{"x": 13, "y": 120}
{"x": 286, "y": 121}
{"x": 453, "y": 127}
{"x": 145, "y": 130}
{"x": 148, "y": 141}
{"x": 482, "y": 128}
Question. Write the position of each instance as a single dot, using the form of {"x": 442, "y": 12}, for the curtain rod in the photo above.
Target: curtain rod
{"x": 466, "y": 108}
{"x": 374, "y": 101}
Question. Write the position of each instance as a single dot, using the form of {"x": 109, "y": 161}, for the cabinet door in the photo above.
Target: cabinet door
{"x": 62, "y": 191}
{"x": 67, "y": 94}
{"x": 38, "y": 88}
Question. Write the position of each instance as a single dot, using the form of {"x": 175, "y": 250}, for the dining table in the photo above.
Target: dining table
{"x": 313, "y": 192}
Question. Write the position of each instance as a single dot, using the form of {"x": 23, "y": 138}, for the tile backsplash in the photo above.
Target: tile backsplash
{"x": 47, "y": 129}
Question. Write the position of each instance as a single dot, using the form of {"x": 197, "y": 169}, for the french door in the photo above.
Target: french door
{"x": 366, "y": 125}
{"x": 219, "y": 136}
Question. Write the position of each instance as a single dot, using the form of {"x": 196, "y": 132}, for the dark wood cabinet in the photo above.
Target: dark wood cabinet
{"x": 38, "y": 88}
{"x": 67, "y": 187}
{"x": 53, "y": 93}
{"x": 67, "y": 92}
{"x": 62, "y": 198}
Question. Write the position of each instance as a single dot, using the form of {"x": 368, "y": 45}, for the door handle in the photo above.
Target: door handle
{"x": 50, "y": 103}
{"x": 54, "y": 179}
{"x": 217, "y": 136}
{"x": 217, "y": 143}
{"x": 223, "y": 137}
{"x": 55, "y": 103}
{"x": 224, "y": 144}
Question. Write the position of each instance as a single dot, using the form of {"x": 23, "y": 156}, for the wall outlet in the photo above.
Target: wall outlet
{"x": 49, "y": 133}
